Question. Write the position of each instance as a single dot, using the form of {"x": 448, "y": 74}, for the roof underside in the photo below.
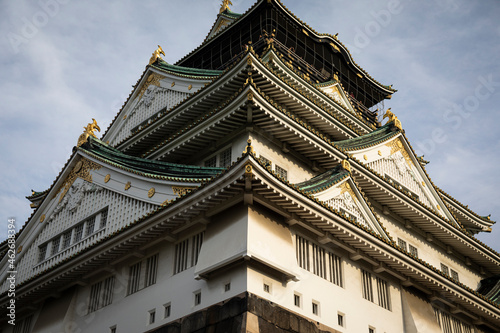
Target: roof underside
{"x": 320, "y": 59}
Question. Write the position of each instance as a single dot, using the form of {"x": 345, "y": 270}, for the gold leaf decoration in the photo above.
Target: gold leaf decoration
{"x": 79, "y": 171}
{"x": 180, "y": 191}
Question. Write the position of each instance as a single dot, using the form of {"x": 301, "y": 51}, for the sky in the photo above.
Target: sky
{"x": 64, "y": 62}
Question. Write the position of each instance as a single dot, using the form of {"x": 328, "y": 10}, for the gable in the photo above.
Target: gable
{"x": 394, "y": 160}
{"x": 335, "y": 92}
{"x": 336, "y": 189}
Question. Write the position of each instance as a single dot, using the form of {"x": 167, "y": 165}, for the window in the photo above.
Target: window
{"x": 134, "y": 278}
{"x": 267, "y": 288}
{"x": 181, "y": 257}
{"x": 89, "y": 230}
{"x": 183, "y": 252}
{"x": 78, "y": 234}
{"x": 402, "y": 244}
{"x": 454, "y": 275}
{"x": 211, "y": 162}
{"x": 383, "y": 294}
{"x": 151, "y": 270}
{"x": 168, "y": 309}
{"x": 302, "y": 250}
{"x": 296, "y": 300}
{"x": 101, "y": 294}
{"x": 143, "y": 274}
{"x": 55, "y": 245}
{"x": 112, "y": 329}
{"x": 66, "y": 239}
{"x": 42, "y": 252}
{"x": 197, "y": 298}
{"x": 319, "y": 259}
{"x": 367, "y": 288}
{"x": 152, "y": 314}
{"x": 225, "y": 158}
{"x": 371, "y": 330}
{"x": 281, "y": 172}
{"x": 104, "y": 218}
{"x": 314, "y": 258}
{"x": 445, "y": 270}
{"x": 315, "y": 308}
{"x": 413, "y": 250}
{"x": 335, "y": 265}
{"x": 265, "y": 161}
{"x": 340, "y": 319}
{"x": 227, "y": 287}
{"x": 196, "y": 247}
{"x": 450, "y": 324}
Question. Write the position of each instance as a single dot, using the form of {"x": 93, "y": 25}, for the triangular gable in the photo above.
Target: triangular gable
{"x": 87, "y": 202}
{"x": 334, "y": 90}
{"x": 162, "y": 87}
{"x": 387, "y": 151}
{"x": 336, "y": 189}
{"x": 224, "y": 19}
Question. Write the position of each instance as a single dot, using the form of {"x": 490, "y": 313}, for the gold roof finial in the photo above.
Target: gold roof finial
{"x": 156, "y": 55}
{"x": 393, "y": 118}
{"x": 225, "y": 5}
{"x": 88, "y": 131}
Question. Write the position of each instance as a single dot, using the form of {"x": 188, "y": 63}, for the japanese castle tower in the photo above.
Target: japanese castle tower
{"x": 251, "y": 187}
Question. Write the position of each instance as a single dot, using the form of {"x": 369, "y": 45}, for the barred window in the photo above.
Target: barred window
{"x": 42, "y": 252}
{"x": 78, "y": 233}
{"x": 402, "y": 244}
{"x": 265, "y": 161}
{"x": 335, "y": 269}
{"x": 55, "y": 245}
{"x": 211, "y": 162}
{"x": 413, "y": 250}
{"x": 89, "y": 230}
{"x": 302, "y": 250}
{"x": 225, "y": 158}
{"x": 185, "y": 250}
{"x": 101, "y": 294}
{"x": 134, "y": 278}
{"x": 383, "y": 294}
{"x": 151, "y": 270}
{"x": 196, "y": 247}
{"x": 367, "y": 288}
{"x": 104, "y": 218}
{"x": 181, "y": 256}
{"x": 66, "y": 239}
{"x": 454, "y": 275}
{"x": 445, "y": 269}
{"x": 319, "y": 261}
{"x": 281, "y": 172}
{"x": 450, "y": 324}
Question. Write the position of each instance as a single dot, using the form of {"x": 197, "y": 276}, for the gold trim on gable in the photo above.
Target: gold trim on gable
{"x": 153, "y": 79}
{"x": 81, "y": 170}
{"x": 396, "y": 145}
{"x": 180, "y": 191}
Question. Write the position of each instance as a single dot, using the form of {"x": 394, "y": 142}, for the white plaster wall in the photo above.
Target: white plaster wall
{"x": 430, "y": 252}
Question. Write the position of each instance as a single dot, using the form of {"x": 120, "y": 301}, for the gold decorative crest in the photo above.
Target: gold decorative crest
{"x": 127, "y": 186}
{"x": 156, "y": 55}
{"x": 248, "y": 169}
{"x": 151, "y": 192}
{"x": 396, "y": 145}
{"x": 250, "y": 96}
{"x": 19, "y": 249}
{"x": 190, "y": 87}
{"x": 42, "y": 218}
{"x": 107, "y": 178}
{"x": 173, "y": 84}
{"x": 180, "y": 191}
{"x": 79, "y": 171}
{"x": 345, "y": 187}
{"x": 153, "y": 79}
{"x": 88, "y": 131}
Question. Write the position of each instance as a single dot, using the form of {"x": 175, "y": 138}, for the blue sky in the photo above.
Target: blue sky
{"x": 63, "y": 62}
